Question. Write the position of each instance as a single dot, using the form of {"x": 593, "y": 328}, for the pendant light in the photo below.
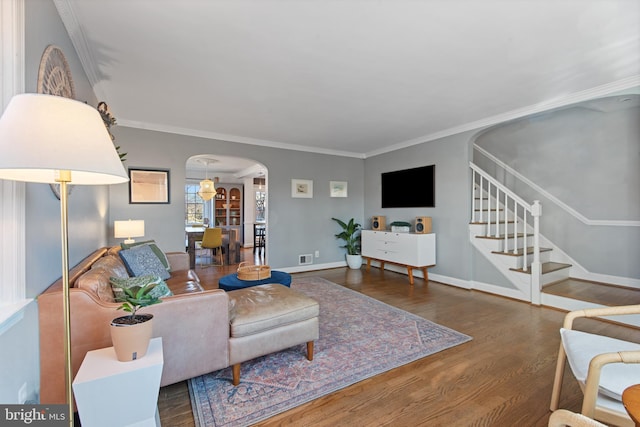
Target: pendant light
{"x": 207, "y": 189}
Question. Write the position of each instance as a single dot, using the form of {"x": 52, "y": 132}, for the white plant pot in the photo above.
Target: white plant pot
{"x": 354, "y": 261}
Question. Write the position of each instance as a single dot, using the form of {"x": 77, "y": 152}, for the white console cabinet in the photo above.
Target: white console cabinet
{"x": 407, "y": 249}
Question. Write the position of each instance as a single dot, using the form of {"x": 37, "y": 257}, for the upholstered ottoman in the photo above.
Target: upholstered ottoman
{"x": 230, "y": 282}
{"x": 268, "y": 318}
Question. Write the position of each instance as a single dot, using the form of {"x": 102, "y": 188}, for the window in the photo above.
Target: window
{"x": 194, "y": 206}
{"x": 12, "y": 194}
{"x": 260, "y": 196}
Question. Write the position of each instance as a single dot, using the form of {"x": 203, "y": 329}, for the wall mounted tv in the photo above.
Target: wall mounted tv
{"x": 409, "y": 188}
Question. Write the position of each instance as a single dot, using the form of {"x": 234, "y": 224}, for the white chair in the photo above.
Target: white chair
{"x": 603, "y": 366}
{"x": 564, "y": 418}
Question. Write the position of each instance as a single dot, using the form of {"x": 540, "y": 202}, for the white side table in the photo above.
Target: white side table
{"x": 111, "y": 393}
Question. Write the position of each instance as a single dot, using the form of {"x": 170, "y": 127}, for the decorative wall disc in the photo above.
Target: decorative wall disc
{"x": 54, "y": 74}
{"x": 54, "y": 78}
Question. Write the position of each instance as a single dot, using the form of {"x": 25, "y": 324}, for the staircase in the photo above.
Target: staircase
{"x": 505, "y": 229}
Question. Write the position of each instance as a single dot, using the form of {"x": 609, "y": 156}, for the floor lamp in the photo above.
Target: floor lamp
{"x": 51, "y": 139}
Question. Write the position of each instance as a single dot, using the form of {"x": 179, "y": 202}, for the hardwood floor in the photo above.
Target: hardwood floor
{"x": 503, "y": 377}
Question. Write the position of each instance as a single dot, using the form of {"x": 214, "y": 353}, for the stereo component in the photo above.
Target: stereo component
{"x": 423, "y": 224}
{"x": 378, "y": 223}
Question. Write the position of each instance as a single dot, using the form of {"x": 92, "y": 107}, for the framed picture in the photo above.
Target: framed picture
{"x": 302, "y": 188}
{"x": 148, "y": 185}
{"x": 338, "y": 188}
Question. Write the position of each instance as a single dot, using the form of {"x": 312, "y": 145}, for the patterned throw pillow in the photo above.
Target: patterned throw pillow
{"x": 118, "y": 283}
{"x": 141, "y": 261}
{"x": 156, "y": 250}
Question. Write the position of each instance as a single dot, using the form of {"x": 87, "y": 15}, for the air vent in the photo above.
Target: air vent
{"x": 305, "y": 259}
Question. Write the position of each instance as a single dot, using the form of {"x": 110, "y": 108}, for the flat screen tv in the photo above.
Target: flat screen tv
{"x": 409, "y": 188}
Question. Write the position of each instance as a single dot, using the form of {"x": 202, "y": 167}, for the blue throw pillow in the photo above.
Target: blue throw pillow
{"x": 141, "y": 261}
{"x": 160, "y": 291}
{"x": 154, "y": 247}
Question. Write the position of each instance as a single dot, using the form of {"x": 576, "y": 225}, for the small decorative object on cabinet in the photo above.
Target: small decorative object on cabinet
{"x": 131, "y": 334}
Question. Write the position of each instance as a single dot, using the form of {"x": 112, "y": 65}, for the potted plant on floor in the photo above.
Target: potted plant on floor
{"x": 131, "y": 334}
{"x": 351, "y": 236}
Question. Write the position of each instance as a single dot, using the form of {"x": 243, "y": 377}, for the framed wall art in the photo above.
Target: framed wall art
{"x": 148, "y": 185}
{"x": 302, "y": 188}
{"x": 338, "y": 188}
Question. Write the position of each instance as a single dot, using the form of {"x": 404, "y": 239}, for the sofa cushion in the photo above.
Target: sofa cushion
{"x": 112, "y": 264}
{"x": 141, "y": 261}
{"x": 160, "y": 291}
{"x": 96, "y": 281}
{"x": 156, "y": 250}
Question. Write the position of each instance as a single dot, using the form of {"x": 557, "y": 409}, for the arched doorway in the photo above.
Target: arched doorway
{"x": 239, "y": 203}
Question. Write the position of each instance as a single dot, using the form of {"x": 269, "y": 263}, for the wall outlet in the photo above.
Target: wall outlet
{"x": 305, "y": 259}
{"x": 22, "y": 394}
{"x": 317, "y": 254}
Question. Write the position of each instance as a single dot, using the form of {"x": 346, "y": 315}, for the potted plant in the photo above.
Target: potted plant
{"x": 131, "y": 334}
{"x": 351, "y": 236}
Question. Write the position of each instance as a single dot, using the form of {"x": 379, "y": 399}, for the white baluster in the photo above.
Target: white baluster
{"x": 515, "y": 227}
{"x": 497, "y": 214}
{"x": 473, "y": 196}
{"x": 481, "y": 199}
{"x": 506, "y": 230}
{"x": 525, "y": 267}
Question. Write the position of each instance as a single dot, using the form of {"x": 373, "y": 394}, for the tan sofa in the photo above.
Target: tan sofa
{"x": 193, "y": 323}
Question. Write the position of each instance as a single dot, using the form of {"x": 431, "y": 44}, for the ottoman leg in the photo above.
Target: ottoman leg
{"x": 236, "y": 374}
{"x": 309, "y": 350}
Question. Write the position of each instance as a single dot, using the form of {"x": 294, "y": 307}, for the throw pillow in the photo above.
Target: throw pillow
{"x": 118, "y": 283}
{"x": 156, "y": 250}
{"x": 141, "y": 261}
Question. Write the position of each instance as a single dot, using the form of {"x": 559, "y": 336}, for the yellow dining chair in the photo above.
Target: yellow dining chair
{"x": 212, "y": 239}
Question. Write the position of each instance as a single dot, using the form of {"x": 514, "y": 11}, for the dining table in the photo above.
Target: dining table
{"x": 195, "y": 234}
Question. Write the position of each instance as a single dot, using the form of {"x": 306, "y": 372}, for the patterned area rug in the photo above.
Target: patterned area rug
{"x": 359, "y": 337}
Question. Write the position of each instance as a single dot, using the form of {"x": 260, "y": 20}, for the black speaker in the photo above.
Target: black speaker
{"x": 423, "y": 224}
{"x": 378, "y": 223}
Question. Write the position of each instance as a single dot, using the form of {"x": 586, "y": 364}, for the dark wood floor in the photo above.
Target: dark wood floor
{"x": 501, "y": 378}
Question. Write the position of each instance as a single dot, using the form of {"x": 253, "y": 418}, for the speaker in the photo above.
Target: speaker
{"x": 423, "y": 224}
{"x": 378, "y": 223}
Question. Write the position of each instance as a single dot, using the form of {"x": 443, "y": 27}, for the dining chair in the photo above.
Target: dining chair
{"x": 259, "y": 237}
{"x": 603, "y": 366}
{"x": 212, "y": 239}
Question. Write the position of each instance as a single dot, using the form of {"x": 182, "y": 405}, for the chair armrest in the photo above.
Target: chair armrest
{"x": 598, "y": 312}
{"x": 562, "y": 418}
{"x": 178, "y": 260}
{"x": 593, "y": 376}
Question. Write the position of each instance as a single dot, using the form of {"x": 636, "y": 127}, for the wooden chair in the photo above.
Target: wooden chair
{"x": 259, "y": 237}
{"x": 564, "y": 418}
{"x": 603, "y": 366}
{"x": 212, "y": 239}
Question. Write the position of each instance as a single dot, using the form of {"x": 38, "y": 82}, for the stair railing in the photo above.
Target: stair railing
{"x": 523, "y": 214}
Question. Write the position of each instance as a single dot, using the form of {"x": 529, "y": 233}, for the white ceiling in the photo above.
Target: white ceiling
{"x": 350, "y": 77}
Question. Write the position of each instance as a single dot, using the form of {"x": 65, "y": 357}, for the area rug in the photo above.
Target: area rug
{"x": 359, "y": 337}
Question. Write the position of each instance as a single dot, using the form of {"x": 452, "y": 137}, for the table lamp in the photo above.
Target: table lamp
{"x": 128, "y": 229}
{"x": 51, "y": 139}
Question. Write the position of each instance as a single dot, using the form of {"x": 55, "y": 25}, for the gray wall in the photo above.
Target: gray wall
{"x": 450, "y": 217}
{"x": 295, "y": 226}
{"x": 590, "y": 161}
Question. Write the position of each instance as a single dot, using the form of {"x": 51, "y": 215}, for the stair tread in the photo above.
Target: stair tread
{"x": 519, "y": 251}
{"x": 547, "y": 267}
{"x": 594, "y": 292}
{"x": 501, "y": 236}
{"x": 492, "y": 222}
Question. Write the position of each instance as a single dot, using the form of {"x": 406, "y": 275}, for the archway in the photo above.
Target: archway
{"x": 240, "y": 200}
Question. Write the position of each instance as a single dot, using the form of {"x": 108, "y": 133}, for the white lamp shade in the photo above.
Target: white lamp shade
{"x": 127, "y": 229}
{"x": 42, "y": 134}
{"x": 207, "y": 190}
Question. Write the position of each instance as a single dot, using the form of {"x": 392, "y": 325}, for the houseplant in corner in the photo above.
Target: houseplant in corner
{"x": 351, "y": 236}
{"x": 131, "y": 334}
